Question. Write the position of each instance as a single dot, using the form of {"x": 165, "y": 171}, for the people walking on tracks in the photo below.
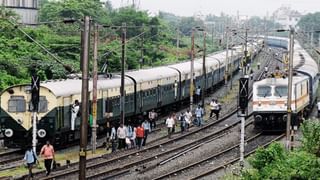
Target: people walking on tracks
{"x": 153, "y": 117}
{"x": 140, "y": 135}
{"x": 113, "y": 138}
{"x": 31, "y": 158}
{"x": 199, "y": 112}
{"x": 122, "y": 134}
{"x": 170, "y": 124}
{"x": 129, "y": 136}
{"x": 147, "y": 129}
{"x": 133, "y": 138}
{"x": 188, "y": 118}
{"x": 214, "y": 107}
{"x": 47, "y": 152}
{"x": 182, "y": 122}
{"x": 174, "y": 116}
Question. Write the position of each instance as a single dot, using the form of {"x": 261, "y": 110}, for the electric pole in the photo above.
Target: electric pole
{"x": 192, "y": 69}
{"x": 123, "y": 56}
{"x": 227, "y": 58}
{"x": 142, "y": 49}
{"x": 177, "y": 55}
{"x": 35, "y": 95}
{"x": 94, "y": 89}
{"x": 244, "y": 64}
{"x": 288, "y": 138}
{"x": 84, "y": 99}
{"x": 231, "y": 67}
{"x": 204, "y": 85}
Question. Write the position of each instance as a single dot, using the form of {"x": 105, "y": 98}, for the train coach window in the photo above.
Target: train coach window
{"x": 17, "y": 104}
{"x": 43, "y": 104}
{"x": 264, "y": 91}
{"x": 280, "y": 91}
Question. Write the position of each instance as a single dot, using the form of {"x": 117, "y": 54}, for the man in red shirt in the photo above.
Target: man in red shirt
{"x": 47, "y": 152}
{"x": 140, "y": 135}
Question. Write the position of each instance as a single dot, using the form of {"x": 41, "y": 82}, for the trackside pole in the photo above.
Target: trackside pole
{"x": 34, "y": 131}
{"x": 242, "y": 113}
{"x": 84, "y": 99}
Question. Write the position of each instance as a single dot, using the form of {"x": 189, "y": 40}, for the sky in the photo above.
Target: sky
{"x": 204, "y": 7}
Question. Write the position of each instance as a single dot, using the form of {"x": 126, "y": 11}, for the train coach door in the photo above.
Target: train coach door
{"x": 66, "y": 112}
{"x": 159, "y": 94}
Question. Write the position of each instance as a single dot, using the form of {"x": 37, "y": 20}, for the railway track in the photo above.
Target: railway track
{"x": 215, "y": 169}
{"x": 10, "y": 159}
{"x": 111, "y": 158}
{"x": 102, "y": 163}
{"x": 233, "y": 149}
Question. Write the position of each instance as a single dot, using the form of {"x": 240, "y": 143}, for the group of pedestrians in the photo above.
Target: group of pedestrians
{"x": 186, "y": 118}
{"x": 129, "y": 136}
{"x": 31, "y": 158}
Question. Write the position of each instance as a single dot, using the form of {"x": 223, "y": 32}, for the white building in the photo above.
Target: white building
{"x": 286, "y": 16}
{"x": 26, "y": 9}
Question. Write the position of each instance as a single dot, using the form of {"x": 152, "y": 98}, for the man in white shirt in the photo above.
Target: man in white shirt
{"x": 74, "y": 113}
{"x": 170, "y": 124}
{"x": 122, "y": 134}
{"x": 113, "y": 137}
{"x": 188, "y": 118}
{"x": 152, "y": 117}
{"x": 198, "y": 94}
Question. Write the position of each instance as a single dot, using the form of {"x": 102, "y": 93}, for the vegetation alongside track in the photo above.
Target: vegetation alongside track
{"x": 275, "y": 162}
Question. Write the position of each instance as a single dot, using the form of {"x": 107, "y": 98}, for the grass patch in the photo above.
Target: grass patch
{"x": 61, "y": 158}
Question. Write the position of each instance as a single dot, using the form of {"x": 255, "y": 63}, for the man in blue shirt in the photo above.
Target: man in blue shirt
{"x": 147, "y": 129}
{"x": 31, "y": 158}
{"x": 199, "y": 114}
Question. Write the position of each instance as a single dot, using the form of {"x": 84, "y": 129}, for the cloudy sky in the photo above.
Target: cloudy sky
{"x": 245, "y": 7}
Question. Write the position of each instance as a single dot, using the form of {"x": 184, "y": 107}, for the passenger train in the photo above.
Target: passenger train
{"x": 270, "y": 95}
{"x": 145, "y": 89}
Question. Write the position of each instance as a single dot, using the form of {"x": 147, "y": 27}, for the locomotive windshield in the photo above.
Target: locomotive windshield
{"x": 280, "y": 91}
{"x": 264, "y": 91}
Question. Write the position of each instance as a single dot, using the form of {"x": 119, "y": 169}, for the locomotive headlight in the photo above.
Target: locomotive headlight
{"x": 19, "y": 120}
{"x": 259, "y": 104}
{"x": 42, "y": 133}
{"x": 258, "y": 118}
{"x": 284, "y": 118}
{"x": 8, "y": 133}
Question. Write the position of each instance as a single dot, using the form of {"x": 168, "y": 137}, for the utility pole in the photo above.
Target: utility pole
{"x": 94, "y": 89}
{"x": 231, "y": 67}
{"x": 204, "y": 85}
{"x": 243, "y": 106}
{"x": 142, "y": 54}
{"x": 123, "y": 56}
{"x": 244, "y": 64}
{"x": 35, "y": 94}
{"x": 212, "y": 33}
{"x": 192, "y": 70}
{"x": 84, "y": 99}
{"x": 177, "y": 55}
{"x": 227, "y": 58}
{"x": 288, "y": 138}
{"x": 311, "y": 39}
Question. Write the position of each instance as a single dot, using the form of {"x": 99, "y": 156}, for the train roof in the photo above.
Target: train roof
{"x": 279, "y": 81}
{"x": 152, "y": 74}
{"x": 184, "y": 67}
{"x": 303, "y": 62}
{"x": 68, "y": 87}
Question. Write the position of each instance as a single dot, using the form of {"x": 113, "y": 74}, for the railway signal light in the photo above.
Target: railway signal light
{"x": 243, "y": 93}
{"x": 35, "y": 91}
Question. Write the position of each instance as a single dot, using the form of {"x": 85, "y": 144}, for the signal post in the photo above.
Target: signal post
{"x": 243, "y": 112}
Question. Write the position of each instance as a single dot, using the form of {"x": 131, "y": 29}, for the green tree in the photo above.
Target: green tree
{"x": 311, "y": 136}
